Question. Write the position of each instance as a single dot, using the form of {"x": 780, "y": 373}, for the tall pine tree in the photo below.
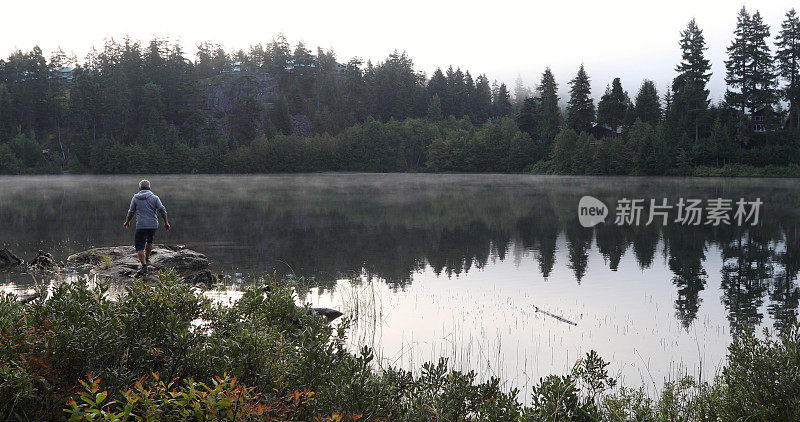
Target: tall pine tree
{"x": 549, "y": 114}
{"x": 501, "y": 103}
{"x": 482, "y": 105}
{"x": 580, "y": 109}
{"x": 613, "y": 105}
{"x": 648, "y": 106}
{"x": 690, "y": 95}
{"x": 788, "y": 65}
{"x": 750, "y": 65}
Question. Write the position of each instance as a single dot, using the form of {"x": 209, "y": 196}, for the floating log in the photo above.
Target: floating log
{"x": 560, "y": 318}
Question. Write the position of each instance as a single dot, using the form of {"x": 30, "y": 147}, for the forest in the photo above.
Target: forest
{"x": 134, "y": 107}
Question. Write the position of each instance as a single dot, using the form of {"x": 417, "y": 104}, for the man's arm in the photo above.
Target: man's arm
{"x": 131, "y": 213}
{"x": 162, "y": 211}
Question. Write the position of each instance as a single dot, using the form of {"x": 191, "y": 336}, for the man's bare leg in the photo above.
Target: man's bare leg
{"x": 142, "y": 257}
{"x": 148, "y": 249}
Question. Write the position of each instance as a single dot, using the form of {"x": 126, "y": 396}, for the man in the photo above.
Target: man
{"x": 146, "y": 206}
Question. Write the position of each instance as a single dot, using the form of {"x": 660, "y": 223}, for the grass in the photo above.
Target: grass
{"x": 105, "y": 262}
{"x": 79, "y": 354}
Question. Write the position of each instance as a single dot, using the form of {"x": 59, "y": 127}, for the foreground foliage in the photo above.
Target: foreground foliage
{"x": 162, "y": 351}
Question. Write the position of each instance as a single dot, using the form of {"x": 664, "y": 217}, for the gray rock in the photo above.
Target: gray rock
{"x": 328, "y": 313}
{"x": 8, "y": 259}
{"x": 121, "y": 262}
{"x": 44, "y": 262}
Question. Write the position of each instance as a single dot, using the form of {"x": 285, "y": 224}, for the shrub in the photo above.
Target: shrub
{"x": 162, "y": 351}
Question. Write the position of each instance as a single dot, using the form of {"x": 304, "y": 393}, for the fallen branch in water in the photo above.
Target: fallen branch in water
{"x": 560, "y": 318}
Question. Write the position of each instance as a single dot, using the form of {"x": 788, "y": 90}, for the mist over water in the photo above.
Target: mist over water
{"x": 492, "y": 271}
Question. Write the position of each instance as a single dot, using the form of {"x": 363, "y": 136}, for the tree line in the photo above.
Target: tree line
{"x": 132, "y": 103}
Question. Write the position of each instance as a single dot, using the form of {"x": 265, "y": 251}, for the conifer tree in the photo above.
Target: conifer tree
{"x": 737, "y": 69}
{"x": 457, "y": 92}
{"x": 521, "y": 92}
{"x": 689, "y": 92}
{"x": 501, "y": 101}
{"x": 613, "y": 105}
{"x": 281, "y": 117}
{"x": 750, "y": 65}
{"x": 527, "y": 118}
{"x": 6, "y": 108}
{"x": 763, "y": 65}
{"x": 549, "y": 113}
{"x": 788, "y": 65}
{"x": 483, "y": 99}
{"x": 648, "y": 106}
{"x": 580, "y": 109}
{"x": 435, "y": 108}
{"x": 469, "y": 88}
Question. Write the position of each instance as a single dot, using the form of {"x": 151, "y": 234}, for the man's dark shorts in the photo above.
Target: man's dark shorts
{"x": 143, "y": 236}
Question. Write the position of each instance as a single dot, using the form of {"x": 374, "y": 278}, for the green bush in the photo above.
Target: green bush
{"x": 162, "y": 351}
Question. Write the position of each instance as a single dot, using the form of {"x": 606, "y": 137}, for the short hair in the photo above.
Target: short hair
{"x": 144, "y": 184}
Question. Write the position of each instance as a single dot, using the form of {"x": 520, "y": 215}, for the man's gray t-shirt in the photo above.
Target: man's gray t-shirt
{"x": 146, "y": 205}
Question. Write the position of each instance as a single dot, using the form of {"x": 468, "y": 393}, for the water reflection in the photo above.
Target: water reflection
{"x": 392, "y": 226}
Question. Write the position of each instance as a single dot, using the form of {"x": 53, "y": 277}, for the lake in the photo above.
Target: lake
{"x": 494, "y": 272}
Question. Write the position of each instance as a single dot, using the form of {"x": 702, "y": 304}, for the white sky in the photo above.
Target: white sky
{"x": 630, "y": 39}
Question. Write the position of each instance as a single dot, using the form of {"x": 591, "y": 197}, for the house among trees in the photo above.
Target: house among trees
{"x": 602, "y": 130}
{"x": 759, "y": 119}
{"x": 291, "y": 64}
{"x": 65, "y": 73}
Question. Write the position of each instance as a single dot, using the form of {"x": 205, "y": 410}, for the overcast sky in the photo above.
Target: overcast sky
{"x": 630, "y": 39}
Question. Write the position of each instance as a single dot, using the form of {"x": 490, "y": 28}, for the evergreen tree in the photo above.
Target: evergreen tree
{"x": 564, "y": 150}
{"x": 521, "y": 92}
{"x": 690, "y": 95}
{"x": 6, "y": 122}
{"x": 580, "y": 109}
{"x": 501, "y": 101}
{"x": 469, "y": 88}
{"x": 527, "y": 118}
{"x": 613, "y": 105}
{"x": 763, "y": 65}
{"x": 652, "y": 157}
{"x": 549, "y": 114}
{"x": 482, "y": 104}
{"x": 750, "y": 65}
{"x": 457, "y": 92}
{"x": 788, "y": 65}
{"x": 281, "y": 117}
{"x": 648, "y": 105}
{"x": 437, "y": 87}
{"x": 279, "y": 54}
{"x": 737, "y": 69}
{"x": 435, "y": 108}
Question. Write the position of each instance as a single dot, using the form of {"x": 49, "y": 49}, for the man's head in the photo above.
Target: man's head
{"x": 144, "y": 185}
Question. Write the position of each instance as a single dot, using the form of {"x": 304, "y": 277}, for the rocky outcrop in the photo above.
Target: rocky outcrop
{"x": 121, "y": 262}
{"x": 227, "y": 92}
{"x": 223, "y": 91}
{"x": 8, "y": 259}
{"x": 44, "y": 262}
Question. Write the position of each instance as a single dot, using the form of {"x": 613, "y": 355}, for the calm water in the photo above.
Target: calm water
{"x": 457, "y": 265}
